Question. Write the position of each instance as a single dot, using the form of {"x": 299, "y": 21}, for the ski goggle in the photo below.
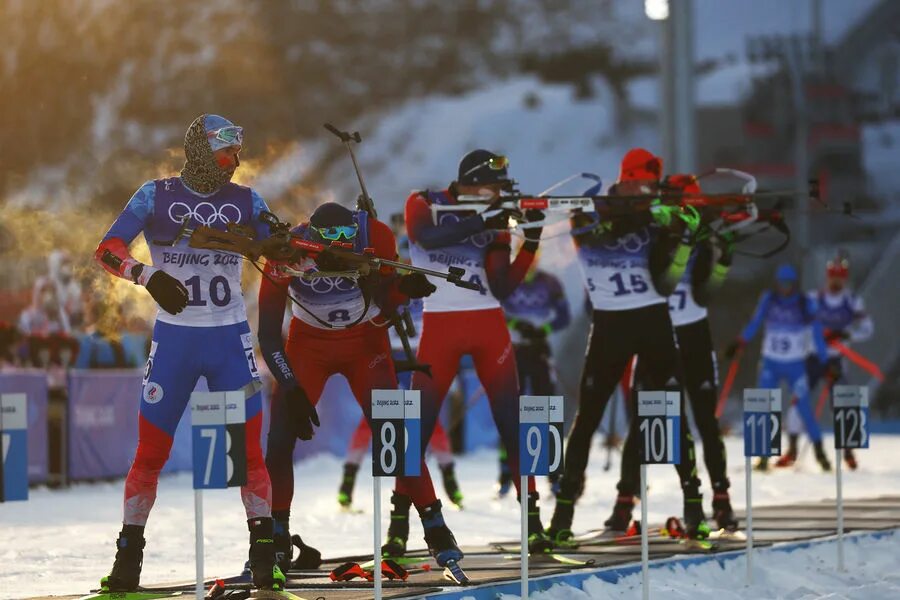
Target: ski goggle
{"x": 336, "y": 232}
{"x": 230, "y": 135}
{"x": 495, "y": 163}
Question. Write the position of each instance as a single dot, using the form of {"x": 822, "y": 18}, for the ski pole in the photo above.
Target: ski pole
{"x": 858, "y": 359}
{"x": 729, "y": 382}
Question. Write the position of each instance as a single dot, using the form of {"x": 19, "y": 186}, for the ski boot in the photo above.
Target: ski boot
{"x": 620, "y": 518}
{"x": 345, "y": 492}
{"x": 398, "y": 530}
{"x": 762, "y": 465}
{"x": 451, "y": 485}
{"x": 266, "y": 574}
{"x": 850, "y": 459}
{"x": 284, "y": 549}
{"x": 695, "y": 525}
{"x": 721, "y": 505}
{"x": 126, "y": 572}
{"x": 821, "y": 457}
{"x": 790, "y": 457}
{"x": 538, "y": 541}
{"x": 441, "y": 543}
{"x": 560, "y": 530}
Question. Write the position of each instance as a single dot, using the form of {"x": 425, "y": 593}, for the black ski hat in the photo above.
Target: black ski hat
{"x": 475, "y": 168}
{"x": 331, "y": 214}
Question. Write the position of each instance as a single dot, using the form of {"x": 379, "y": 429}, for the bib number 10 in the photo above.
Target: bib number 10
{"x": 219, "y": 292}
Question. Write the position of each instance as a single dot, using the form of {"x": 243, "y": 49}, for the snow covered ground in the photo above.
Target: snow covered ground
{"x": 798, "y": 575}
{"x": 63, "y": 541}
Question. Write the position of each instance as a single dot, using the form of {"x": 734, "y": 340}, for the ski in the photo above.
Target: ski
{"x": 552, "y": 556}
{"x": 453, "y": 572}
{"x": 138, "y": 595}
{"x": 726, "y": 535}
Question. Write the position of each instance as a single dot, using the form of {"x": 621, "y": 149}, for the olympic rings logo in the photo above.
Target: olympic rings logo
{"x": 326, "y": 285}
{"x": 479, "y": 240}
{"x": 630, "y": 242}
{"x": 535, "y": 299}
{"x": 205, "y": 213}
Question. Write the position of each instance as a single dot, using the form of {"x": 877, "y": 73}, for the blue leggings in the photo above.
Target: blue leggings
{"x": 771, "y": 375}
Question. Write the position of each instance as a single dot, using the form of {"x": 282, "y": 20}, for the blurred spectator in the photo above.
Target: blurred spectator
{"x": 68, "y": 290}
{"x": 111, "y": 341}
{"x": 43, "y": 316}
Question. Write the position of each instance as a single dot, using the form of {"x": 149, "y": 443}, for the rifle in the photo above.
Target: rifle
{"x": 723, "y": 214}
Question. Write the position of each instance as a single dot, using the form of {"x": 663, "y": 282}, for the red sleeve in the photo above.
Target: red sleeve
{"x": 417, "y": 215}
{"x": 382, "y": 239}
{"x": 504, "y": 277}
{"x": 113, "y": 255}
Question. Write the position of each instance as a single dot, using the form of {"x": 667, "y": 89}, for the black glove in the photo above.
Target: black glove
{"x": 533, "y": 234}
{"x": 500, "y": 220}
{"x": 834, "y": 334}
{"x": 416, "y": 285}
{"x": 169, "y": 293}
{"x": 529, "y": 331}
{"x": 328, "y": 260}
{"x": 733, "y": 348}
{"x": 300, "y": 411}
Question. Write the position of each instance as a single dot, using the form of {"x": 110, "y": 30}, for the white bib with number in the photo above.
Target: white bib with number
{"x": 469, "y": 255}
{"x": 682, "y": 307}
{"x": 616, "y": 273}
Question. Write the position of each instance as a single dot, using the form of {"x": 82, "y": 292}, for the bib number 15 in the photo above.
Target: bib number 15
{"x": 633, "y": 284}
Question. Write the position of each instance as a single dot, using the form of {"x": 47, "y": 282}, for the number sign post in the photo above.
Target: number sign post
{"x": 219, "y": 450}
{"x": 396, "y": 451}
{"x": 540, "y": 453}
{"x": 13, "y": 447}
{"x": 762, "y": 437}
{"x": 659, "y": 423}
{"x": 851, "y": 431}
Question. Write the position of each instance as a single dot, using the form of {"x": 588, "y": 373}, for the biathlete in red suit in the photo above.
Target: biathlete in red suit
{"x": 336, "y": 328}
{"x": 458, "y": 321}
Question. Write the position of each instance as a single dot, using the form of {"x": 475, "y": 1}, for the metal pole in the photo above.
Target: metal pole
{"x": 748, "y": 474}
{"x": 677, "y": 107}
{"x": 645, "y": 543}
{"x": 198, "y": 549}
{"x": 376, "y": 533}
{"x": 523, "y": 551}
{"x": 840, "y": 508}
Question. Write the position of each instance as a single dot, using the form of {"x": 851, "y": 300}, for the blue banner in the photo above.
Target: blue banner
{"x": 32, "y": 383}
{"x": 103, "y": 416}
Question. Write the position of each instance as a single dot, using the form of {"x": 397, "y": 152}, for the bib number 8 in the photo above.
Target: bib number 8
{"x": 388, "y": 447}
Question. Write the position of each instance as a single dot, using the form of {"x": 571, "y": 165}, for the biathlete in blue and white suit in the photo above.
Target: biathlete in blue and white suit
{"x": 844, "y": 319}
{"x": 788, "y": 317}
{"x": 201, "y": 331}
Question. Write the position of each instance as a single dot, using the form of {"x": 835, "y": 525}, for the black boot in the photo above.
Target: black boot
{"x": 441, "y": 543}
{"x": 266, "y": 574}
{"x": 451, "y": 485}
{"x": 695, "y": 525}
{"x": 398, "y": 530}
{"x": 560, "y": 530}
{"x": 821, "y": 457}
{"x": 345, "y": 492}
{"x": 620, "y": 518}
{"x": 126, "y": 572}
{"x": 721, "y": 504}
{"x": 538, "y": 541}
{"x": 284, "y": 549}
